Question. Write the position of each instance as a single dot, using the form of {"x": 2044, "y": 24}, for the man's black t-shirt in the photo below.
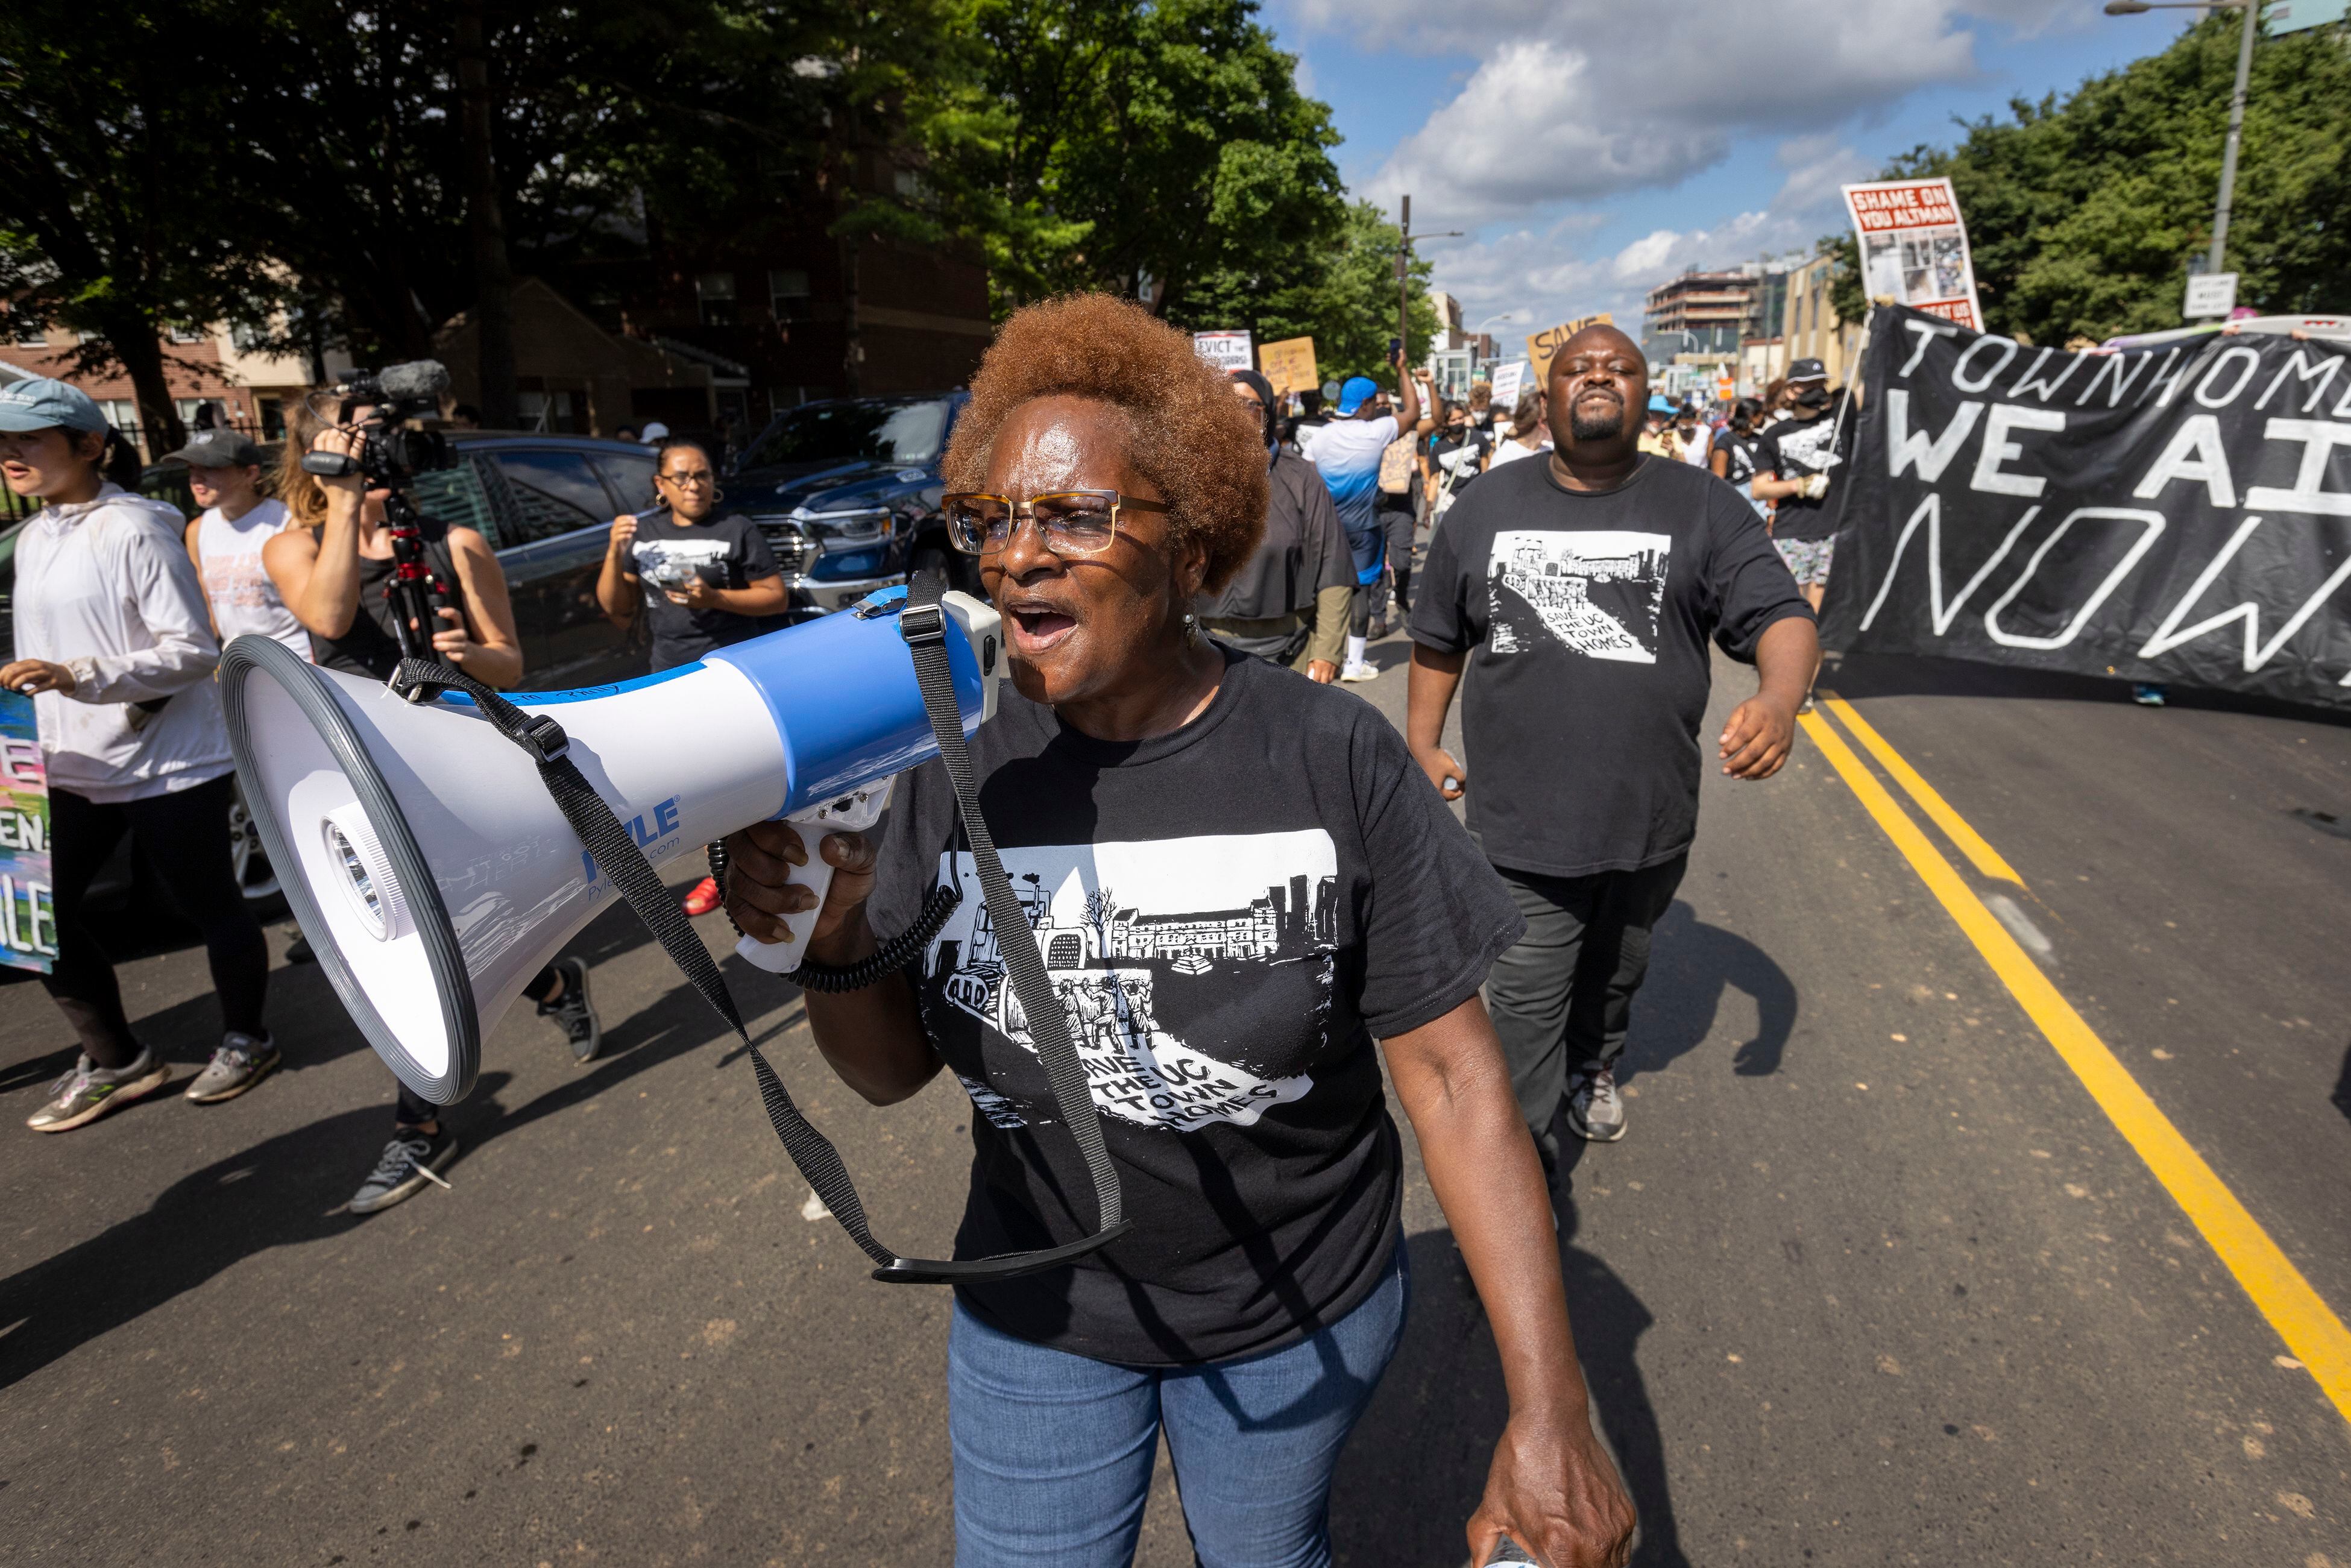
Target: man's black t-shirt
{"x": 1801, "y": 445}
{"x": 724, "y": 552}
{"x": 1303, "y": 550}
{"x": 1229, "y": 913}
{"x": 1589, "y": 613}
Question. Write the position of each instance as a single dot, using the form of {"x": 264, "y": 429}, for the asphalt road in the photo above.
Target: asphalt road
{"x": 1874, "y": 1279}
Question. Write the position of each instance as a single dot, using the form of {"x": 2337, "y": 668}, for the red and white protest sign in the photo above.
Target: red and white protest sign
{"x": 1914, "y": 247}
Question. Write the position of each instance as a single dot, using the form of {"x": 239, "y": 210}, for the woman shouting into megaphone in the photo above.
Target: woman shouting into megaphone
{"x": 1237, "y": 880}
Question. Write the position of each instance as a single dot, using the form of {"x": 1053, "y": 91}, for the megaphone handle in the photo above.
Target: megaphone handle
{"x": 851, "y": 814}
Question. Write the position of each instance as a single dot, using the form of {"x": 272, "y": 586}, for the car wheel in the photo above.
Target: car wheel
{"x": 962, "y": 575}
{"x": 254, "y": 876}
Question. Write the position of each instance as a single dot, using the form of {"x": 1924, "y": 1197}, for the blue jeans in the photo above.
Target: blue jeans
{"x": 1053, "y": 1452}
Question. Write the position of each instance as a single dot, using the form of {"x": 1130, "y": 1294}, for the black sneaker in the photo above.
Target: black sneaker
{"x": 574, "y": 1013}
{"x": 413, "y": 1157}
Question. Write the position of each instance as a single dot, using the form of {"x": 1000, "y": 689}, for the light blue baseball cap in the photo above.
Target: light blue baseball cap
{"x": 39, "y": 404}
{"x": 1353, "y": 394}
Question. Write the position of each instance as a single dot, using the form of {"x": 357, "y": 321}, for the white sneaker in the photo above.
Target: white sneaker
{"x": 1360, "y": 673}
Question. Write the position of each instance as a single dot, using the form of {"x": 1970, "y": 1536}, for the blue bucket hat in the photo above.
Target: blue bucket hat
{"x": 1657, "y": 403}
{"x": 39, "y": 404}
{"x": 1352, "y": 396}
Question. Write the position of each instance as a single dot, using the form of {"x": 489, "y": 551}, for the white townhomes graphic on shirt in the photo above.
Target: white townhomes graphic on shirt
{"x": 1597, "y": 592}
{"x": 1169, "y": 957}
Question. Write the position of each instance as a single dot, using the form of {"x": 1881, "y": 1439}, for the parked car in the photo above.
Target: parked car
{"x": 847, "y": 493}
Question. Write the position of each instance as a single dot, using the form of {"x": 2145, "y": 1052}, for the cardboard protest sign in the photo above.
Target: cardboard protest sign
{"x": 1545, "y": 343}
{"x": 1914, "y": 247}
{"x": 1509, "y": 381}
{"x": 1289, "y": 365}
{"x": 29, "y": 922}
{"x": 1225, "y": 350}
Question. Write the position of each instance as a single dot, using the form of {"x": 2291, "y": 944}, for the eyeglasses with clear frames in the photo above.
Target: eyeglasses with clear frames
{"x": 1071, "y": 522}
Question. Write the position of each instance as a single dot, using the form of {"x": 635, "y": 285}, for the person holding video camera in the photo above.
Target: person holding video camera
{"x": 114, "y": 647}
{"x": 335, "y": 569}
{"x": 1229, "y": 953}
{"x": 700, "y": 579}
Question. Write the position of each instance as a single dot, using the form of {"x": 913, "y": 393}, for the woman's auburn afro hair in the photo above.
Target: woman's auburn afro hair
{"x": 1189, "y": 436}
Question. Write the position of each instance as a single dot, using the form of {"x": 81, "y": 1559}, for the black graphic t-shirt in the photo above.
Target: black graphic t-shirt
{"x": 724, "y": 552}
{"x": 1796, "y": 448}
{"x": 1589, "y": 616}
{"x": 1230, "y": 914}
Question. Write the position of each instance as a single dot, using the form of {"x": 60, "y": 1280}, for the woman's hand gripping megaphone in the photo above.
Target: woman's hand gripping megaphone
{"x": 782, "y": 887}
{"x": 771, "y": 896}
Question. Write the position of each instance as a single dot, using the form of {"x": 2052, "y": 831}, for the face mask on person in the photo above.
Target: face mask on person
{"x": 1813, "y": 396}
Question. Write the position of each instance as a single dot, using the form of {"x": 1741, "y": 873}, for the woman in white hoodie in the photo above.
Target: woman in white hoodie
{"x": 115, "y": 647}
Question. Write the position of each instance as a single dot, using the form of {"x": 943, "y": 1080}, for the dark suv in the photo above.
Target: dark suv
{"x": 847, "y": 492}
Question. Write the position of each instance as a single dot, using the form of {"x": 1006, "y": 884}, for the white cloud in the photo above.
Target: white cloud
{"x": 1547, "y": 274}
{"x": 1582, "y": 100}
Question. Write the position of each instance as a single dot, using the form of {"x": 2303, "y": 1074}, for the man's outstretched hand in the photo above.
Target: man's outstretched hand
{"x": 1756, "y": 741}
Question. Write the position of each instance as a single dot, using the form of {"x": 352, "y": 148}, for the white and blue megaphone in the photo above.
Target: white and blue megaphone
{"x": 434, "y": 876}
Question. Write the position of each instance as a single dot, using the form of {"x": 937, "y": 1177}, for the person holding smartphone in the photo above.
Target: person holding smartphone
{"x": 700, "y": 579}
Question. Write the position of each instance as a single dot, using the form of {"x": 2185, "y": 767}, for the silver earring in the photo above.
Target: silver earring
{"x": 1191, "y": 630}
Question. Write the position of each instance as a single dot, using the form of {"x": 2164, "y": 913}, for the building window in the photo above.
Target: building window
{"x": 715, "y": 291}
{"x": 182, "y": 334}
{"x": 26, "y": 329}
{"x": 787, "y": 293}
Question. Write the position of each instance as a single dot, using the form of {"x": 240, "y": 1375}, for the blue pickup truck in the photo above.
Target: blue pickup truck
{"x": 847, "y": 493}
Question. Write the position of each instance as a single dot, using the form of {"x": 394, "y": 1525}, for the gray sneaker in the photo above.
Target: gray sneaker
{"x": 413, "y": 1158}
{"x": 85, "y": 1091}
{"x": 241, "y": 1062}
{"x": 574, "y": 1013}
{"x": 1595, "y": 1112}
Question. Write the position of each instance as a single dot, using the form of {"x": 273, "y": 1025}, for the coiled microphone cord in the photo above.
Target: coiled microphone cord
{"x": 892, "y": 957}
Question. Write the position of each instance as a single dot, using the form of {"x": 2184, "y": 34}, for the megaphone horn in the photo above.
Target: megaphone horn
{"x": 432, "y": 874}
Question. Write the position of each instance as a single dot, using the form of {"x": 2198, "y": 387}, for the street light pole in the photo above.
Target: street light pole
{"x": 2236, "y": 134}
{"x": 2251, "y": 10}
{"x": 1404, "y": 280}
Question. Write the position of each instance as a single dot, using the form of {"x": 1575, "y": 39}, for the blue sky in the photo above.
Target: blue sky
{"x": 1593, "y": 148}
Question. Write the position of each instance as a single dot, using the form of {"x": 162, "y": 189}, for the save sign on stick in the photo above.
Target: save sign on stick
{"x": 29, "y": 922}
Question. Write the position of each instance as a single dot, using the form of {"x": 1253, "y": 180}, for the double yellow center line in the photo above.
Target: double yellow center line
{"x": 2310, "y": 1329}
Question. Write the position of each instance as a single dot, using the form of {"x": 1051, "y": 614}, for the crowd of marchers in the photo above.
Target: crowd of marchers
{"x": 123, "y": 604}
{"x": 1184, "y": 572}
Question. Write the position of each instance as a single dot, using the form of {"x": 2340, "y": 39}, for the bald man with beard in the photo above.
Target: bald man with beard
{"x": 1581, "y": 594}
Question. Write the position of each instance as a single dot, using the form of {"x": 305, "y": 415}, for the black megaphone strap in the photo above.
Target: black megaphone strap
{"x": 615, "y": 853}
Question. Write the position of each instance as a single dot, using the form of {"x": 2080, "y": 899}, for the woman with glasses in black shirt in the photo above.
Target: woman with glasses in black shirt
{"x": 1237, "y": 880}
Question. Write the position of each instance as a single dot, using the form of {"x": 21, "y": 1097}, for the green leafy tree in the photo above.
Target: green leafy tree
{"x": 1342, "y": 293}
{"x": 2084, "y": 212}
{"x": 114, "y": 218}
{"x": 1155, "y": 147}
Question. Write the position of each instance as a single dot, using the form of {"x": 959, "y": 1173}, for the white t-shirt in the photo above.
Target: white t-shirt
{"x": 1696, "y": 447}
{"x": 243, "y": 598}
{"x": 1508, "y": 450}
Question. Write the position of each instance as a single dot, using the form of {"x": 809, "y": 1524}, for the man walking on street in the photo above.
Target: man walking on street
{"x": 1585, "y": 590}
{"x": 1290, "y": 603}
{"x": 1348, "y": 453}
{"x": 1792, "y": 467}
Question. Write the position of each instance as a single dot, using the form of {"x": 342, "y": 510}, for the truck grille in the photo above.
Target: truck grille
{"x": 793, "y": 551}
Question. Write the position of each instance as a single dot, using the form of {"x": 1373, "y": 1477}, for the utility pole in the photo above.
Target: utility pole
{"x": 1404, "y": 280}
{"x": 2245, "y": 30}
{"x": 485, "y": 226}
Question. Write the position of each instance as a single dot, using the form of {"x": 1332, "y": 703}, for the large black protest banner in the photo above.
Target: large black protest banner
{"x": 2176, "y": 513}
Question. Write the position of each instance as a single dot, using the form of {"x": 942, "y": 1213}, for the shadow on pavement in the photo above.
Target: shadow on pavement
{"x": 2342, "y": 1095}
{"x": 282, "y": 1192}
{"x": 1893, "y": 675}
{"x": 1415, "y": 1467}
{"x": 1690, "y": 965}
